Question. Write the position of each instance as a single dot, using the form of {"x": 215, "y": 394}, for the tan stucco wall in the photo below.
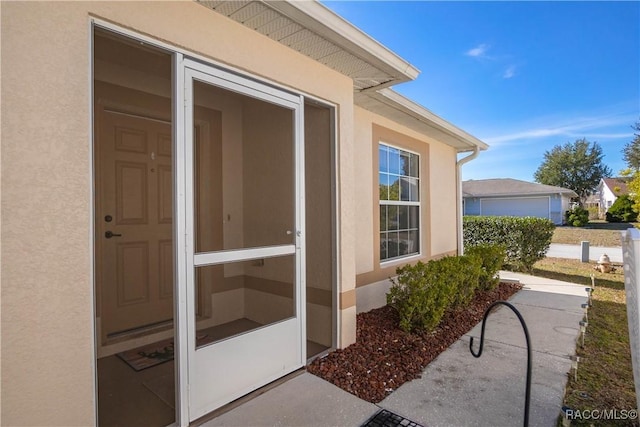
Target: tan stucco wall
{"x": 47, "y": 344}
{"x": 363, "y": 125}
{"x": 47, "y": 301}
{"x": 440, "y": 178}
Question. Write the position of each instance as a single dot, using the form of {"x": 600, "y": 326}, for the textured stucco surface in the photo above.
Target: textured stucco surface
{"x": 47, "y": 358}
{"x": 47, "y": 300}
{"x": 362, "y": 167}
{"x": 441, "y": 179}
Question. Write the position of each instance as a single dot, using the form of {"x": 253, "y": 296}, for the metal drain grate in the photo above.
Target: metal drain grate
{"x": 385, "y": 418}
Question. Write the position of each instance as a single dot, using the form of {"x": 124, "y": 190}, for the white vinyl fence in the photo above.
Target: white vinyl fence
{"x": 631, "y": 256}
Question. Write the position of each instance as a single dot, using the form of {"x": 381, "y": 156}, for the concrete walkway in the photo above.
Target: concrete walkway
{"x": 559, "y": 250}
{"x": 456, "y": 388}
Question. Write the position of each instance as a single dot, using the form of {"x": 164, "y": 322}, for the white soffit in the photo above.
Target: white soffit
{"x": 389, "y": 103}
{"x": 315, "y": 31}
{"x": 312, "y": 29}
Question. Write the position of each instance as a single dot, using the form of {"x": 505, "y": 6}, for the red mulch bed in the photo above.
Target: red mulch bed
{"x": 384, "y": 357}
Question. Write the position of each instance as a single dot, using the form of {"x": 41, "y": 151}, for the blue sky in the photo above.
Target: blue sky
{"x": 521, "y": 76}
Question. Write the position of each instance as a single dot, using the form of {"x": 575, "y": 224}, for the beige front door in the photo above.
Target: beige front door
{"x": 133, "y": 222}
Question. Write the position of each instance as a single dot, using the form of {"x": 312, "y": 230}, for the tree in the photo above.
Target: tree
{"x": 631, "y": 151}
{"x": 577, "y": 166}
{"x": 622, "y": 210}
{"x": 634, "y": 187}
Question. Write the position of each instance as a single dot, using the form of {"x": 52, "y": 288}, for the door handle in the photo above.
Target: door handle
{"x": 109, "y": 234}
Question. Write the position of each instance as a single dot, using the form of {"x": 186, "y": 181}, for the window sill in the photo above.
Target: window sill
{"x": 400, "y": 261}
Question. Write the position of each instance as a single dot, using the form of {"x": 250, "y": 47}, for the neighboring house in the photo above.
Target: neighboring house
{"x": 512, "y": 197}
{"x": 609, "y": 189}
{"x": 236, "y": 176}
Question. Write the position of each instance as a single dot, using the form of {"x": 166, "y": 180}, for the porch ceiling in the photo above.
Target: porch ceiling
{"x": 315, "y": 31}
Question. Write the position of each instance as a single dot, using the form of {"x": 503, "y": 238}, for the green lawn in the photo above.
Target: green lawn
{"x": 596, "y": 233}
{"x": 605, "y": 376}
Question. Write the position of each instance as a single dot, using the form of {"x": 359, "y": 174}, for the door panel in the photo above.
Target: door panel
{"x": 249, "y": 295}
{"x": 165, "y": 196}
{"x": 240, "y": 368}
{"x": 250, "y": 268}
{"x": 132, "y": 267}
{"x": 135, "y": 188}
{"x": 165, "y": 268}
{"x": 131, "y": 193}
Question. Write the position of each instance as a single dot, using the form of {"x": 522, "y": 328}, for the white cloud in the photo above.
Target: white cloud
{"x": 594, "y": 127}
{"x": 479, "y": 51}
{"x": 509, "y": 72}
{"x": 628, "y": 135}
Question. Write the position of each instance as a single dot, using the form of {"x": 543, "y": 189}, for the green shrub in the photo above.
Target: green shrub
{"x": 526, "y": 240}
{"x": 422, "y": 293}
{"x": 464, "y": 272}
{"x": 492, "y": 258}
{"x": 577, "y": 217}
{"x": 594, "y": 212}
{"x": 622, "y": 210}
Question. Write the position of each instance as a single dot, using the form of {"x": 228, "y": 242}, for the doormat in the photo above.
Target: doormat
{"x": 386, "y": 418}
{"x": 154, "y": 354}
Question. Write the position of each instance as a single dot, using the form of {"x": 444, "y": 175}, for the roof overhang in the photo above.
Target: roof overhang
{"x": 312, "y": 29}
{"x": 509, "y": 187}
{"x": 568, "y": 193}
{"x": 389, "y": 103}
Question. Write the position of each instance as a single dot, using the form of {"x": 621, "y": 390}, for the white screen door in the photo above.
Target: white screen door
{"x": 244, "y": 235}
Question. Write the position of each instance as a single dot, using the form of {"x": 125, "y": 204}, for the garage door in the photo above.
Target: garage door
{"x": 530, "y": 206}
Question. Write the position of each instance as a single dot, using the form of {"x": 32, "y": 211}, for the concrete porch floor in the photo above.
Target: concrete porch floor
{"x": 147, "y": 397}
{"x": 456, "y": 388}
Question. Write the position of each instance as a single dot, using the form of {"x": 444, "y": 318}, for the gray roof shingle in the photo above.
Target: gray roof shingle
{"x": 619, "y": 183}
{"x": 509, "y": 187}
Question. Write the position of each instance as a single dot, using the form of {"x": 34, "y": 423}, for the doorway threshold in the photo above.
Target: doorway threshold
{"x": 246, "y": 398}
{"x": 139, "y": 331}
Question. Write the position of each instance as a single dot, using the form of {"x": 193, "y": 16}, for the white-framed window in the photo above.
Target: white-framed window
{"x": 399, "y": 186}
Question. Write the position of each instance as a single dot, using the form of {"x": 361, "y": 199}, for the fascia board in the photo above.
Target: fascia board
{"x": 399, "y": 102}
{"x": 569, "y": 193}
{"x": 318, "y": 18}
